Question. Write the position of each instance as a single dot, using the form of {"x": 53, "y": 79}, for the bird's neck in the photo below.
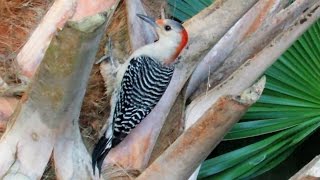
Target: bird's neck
{"x": 163, "y": 50}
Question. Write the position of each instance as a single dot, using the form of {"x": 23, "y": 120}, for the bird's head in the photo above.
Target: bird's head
{"x": 170, "y": 33}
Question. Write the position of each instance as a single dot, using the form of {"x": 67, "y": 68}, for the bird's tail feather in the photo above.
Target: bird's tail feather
{"x": 100, "y": 151}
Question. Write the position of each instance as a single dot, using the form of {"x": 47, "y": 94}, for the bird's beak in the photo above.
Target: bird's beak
{"x": 148, "y": 19}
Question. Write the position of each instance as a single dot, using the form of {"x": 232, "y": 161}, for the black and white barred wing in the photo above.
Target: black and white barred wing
{"x": 143, "y": 84}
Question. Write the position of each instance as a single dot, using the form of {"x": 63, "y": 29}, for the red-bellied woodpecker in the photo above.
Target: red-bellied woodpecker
{"x": 141, "y": 83}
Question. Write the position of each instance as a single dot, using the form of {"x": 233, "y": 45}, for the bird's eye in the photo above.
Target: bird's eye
{"x": 167, "y": 28}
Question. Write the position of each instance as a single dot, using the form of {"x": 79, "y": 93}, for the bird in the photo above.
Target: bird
{"x": 140, "y": 83}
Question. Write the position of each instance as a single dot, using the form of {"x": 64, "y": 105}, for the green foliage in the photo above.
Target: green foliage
{"x": 289, "y": 108}
{"x": 185, "y": 9}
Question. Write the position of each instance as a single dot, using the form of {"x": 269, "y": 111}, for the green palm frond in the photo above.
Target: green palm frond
{"x": 185, "y": 9}
{"x": 257, "y": 158}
